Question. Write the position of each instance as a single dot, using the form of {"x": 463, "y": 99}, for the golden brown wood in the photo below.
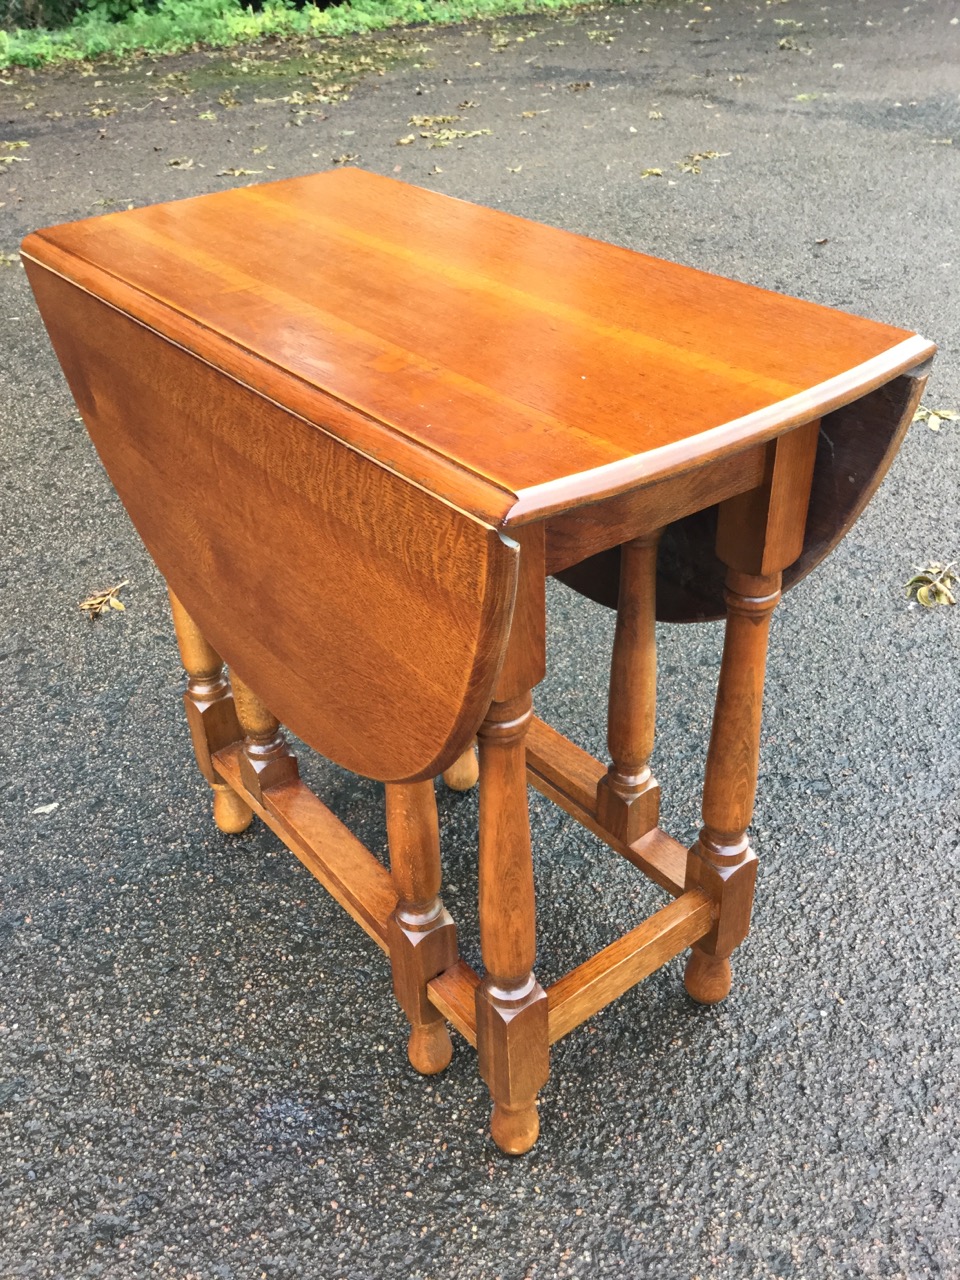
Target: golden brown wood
{"x": 344, "y": 866}
{"x": 436, "y": 347}
{"x": 370, "y": 617}
{"x": 568, "y": 775}
{"x": 463, "y": 773}
{"x": 758, "y": 534}
{"x": 421, "y": 935}
{"x": 353, "y": 436}
{"x": 267, "y": 760}
{"x": 211, "y": 716}
{"x": 454, "y": 993}
{"x": 587, "y": 531}
{"x": 857, "y": 444}
{"x": 628, "y": 795}
{"x": 512, "y": 1036}
{"x": 608, "y": 974}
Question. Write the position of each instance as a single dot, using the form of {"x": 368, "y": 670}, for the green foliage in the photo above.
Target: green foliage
{"x": 36, "y": 13}
{"x": 115, "y": 28}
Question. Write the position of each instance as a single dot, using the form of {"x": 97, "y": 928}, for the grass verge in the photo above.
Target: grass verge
{"x": 177, "y": 25}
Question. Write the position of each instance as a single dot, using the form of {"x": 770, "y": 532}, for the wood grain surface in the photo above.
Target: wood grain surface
{"x": 550, "y": 368}
{"x": 366, "y": 615}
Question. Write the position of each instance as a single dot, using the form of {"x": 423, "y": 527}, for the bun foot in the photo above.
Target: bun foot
{"x": 707, "y": 978}
{"x": 230, "y": 813}
{"x": 430, "y": 1049}
{"x": 515, "y": 1132}
{"x": 463, "y": 773}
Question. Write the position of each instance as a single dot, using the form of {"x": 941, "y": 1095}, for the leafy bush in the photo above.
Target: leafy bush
{"x": 114, "y": 28}
{"x": 37, "y": 13}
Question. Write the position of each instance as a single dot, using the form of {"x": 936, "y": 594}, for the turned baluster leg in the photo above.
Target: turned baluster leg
{"x": 722, "y": 862}
{"x": 211, "y": 715}
{"x": 267, "y": 760}
{"x": 421, "y": 935}
{"x": 628, "y": 798}
{"x": 464, "y": 772}
{"x": 759, "y": 534}
{"x": 512, "y": 1039}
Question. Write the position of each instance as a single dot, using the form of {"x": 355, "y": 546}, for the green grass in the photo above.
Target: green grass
{"x": 183, "y": 24}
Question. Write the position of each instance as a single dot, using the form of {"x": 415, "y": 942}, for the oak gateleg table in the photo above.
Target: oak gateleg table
{"x": 357, "y": 425}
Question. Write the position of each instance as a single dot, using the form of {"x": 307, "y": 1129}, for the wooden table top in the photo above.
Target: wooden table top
{"x": 508, "y": 367}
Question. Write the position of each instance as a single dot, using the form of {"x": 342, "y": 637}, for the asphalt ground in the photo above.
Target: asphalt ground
{"x": 203, "y": 1071}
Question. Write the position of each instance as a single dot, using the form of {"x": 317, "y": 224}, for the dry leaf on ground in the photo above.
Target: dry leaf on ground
{"x": 104, "y": 601}
{"x": 934, "y": 584}
{"x": 935, "y": 418}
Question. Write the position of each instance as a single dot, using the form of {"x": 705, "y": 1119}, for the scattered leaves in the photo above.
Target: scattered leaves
{"x": 181, "y": 162}
{"x": 8, "y": 259}
{"x": 654, "y": 115}
{"x": 240, "y": 173}
{"x": 228, "y": 99}
{"x": 693, "y": 162}
{"x": 426, "y": 122}
{"x": 602, "y": 37}
{"x": 12, "y": 159}
{"x": 14, "y": 146}
{"x": 652, "y": 173}
{"x": 516, "y": 170}
{"x": 46, "y": 808}
{"x": 935, "y": 418}
{"x": 934, "y": 584}
{"x": 529, "y": 115}
{"x": 443, "y": 137}
{"x": 207, "y": 115}
{"x": 806, "y": 97}
{"x": 788, "y": 42}
{"x": 405, "y": 142}
{"x": 104, "y": 601}
{"x": 578, "y": 85}
{"x": 347, "y": 157}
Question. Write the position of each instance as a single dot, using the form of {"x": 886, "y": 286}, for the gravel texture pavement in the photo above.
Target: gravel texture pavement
{"x": 202, "y": 1069}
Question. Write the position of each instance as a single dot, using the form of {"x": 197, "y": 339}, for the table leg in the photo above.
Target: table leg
{"x": 211, "y": 715}
{"x": 421, "y": 935}
{"x": 267, "y": 760}
{"x": 722, "y": 862}
{"x": 628, "y": 798}
{"x": 512, "y": 1036}
{"x": 759, "y": 533}
{"x": 464, "y": 772}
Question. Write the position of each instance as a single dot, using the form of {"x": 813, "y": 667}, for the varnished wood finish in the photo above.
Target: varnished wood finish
{"x": 628, "y": 796}
{"x": 344, "y": 866}
{"x": 512, "y": 1037}
{"x": 463, "y": 773}
{"x": 568, "y": 775}
{"x": 211, "y": 715}
{"x": 608, "y": 974}
{"x": 267, "y": 760}
{"x": 357, "y": 425}
{"x": 856, "y": 447}
{"x": 454, "y": 993}
{"x": 758, "y": 534}
{"x": 422, "y": 937}
{"x": 370, "y": 617}
{"x": 586, "y": 531}
{"x": 436, "y": 346}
